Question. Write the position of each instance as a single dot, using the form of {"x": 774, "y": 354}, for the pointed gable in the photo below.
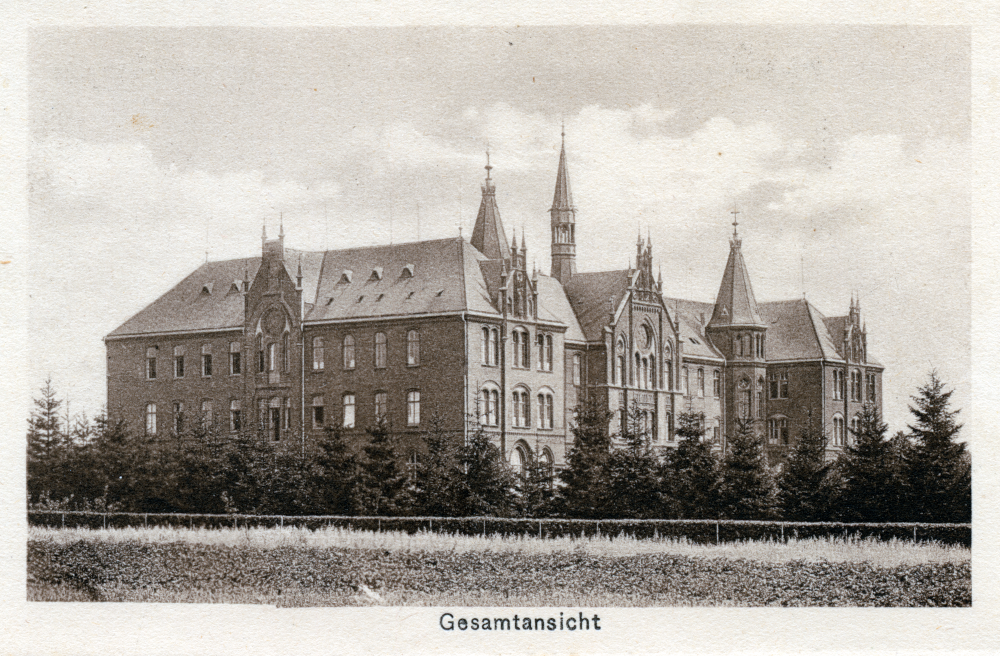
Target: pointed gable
{"x": 488, "y": 235}
{"x": 735, "y": 304}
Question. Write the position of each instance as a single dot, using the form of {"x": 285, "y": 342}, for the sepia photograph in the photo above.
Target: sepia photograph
{"x": 537, "y": 320}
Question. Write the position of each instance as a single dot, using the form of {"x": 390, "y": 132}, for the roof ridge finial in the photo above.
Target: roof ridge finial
{"x": 735, "y": 222}
{"x": 564, "y": 133}
{"x": 281, "y": 224}
{"x": 263, "y": 229}
{"x": 488, "y": 167}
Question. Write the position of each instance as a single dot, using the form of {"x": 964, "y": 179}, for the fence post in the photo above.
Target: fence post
{"x": 144, "y": 520}
{"x": 484, "y": 528}
{"x": 104, "y": 520}
{"x": 379, "y": 524}
{"x": 716, "y": 532}
{"x": 914, "y": 533}
{"x": 539, "y": 529}
{"x": 782, "y": 533}
{"x": 64, "y": 520}
{"x": 281, "y": 521}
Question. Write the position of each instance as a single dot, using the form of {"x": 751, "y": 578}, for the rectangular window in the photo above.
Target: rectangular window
{"x": 206, "y": 412}
{"x": 687, "y": 381}
{"x": 838, "y": 385}
{"x": 701, "y": 382}
{"x": 871, "y": 388}
{"x": 272, "y": 357}
{"x": 412, "y": 348}
{"x": 716, "y": 383}
{"x": 178, "y": 416}
{"x": 380, "y": 350}
{"x": 206, "y": 360}
{"x": 349, "y": 352}
{"x": 381, "y": 403}
{"x": 413, "y": 408}
{"x": 151, "y": 363}
{"x": 576, "y": 369}
{"x": 545, "y": 411}
{"x": 783, "y": 379}
{"x": 150, "y": 419}
{"x": 715, "y": 433}
{"x": 348, "y": 411}
{"x": 178, "y": 362}
{"x": 317, "y": 406}
{"x": 235, "y": 420}
{"x": 319, "y": 354}
{"x": 235, "y": 366}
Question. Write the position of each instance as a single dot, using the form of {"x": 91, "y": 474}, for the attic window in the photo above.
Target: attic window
{"x": 380, "y": 297}
{"x": 207, "y": 288}
{"x": 376, "y": 273}
{"x": 345, "y": 277}
{"x": 361, "y": 298}
{"x": 407, "y": 271}
{"x": 694, "y": 341}
{"x": 329, "y": 301}
{"x": 439, "y": 292}
{"x": 234, "y": 288}
{"x": 410, "y": 295}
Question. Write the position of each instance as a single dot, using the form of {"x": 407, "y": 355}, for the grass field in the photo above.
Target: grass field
{"x": 299, "y": 567}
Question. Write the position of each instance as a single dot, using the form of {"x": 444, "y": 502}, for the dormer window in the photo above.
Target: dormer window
{"x": 206, "y": 289}
{"x": 361, "y": 298}
{"x": 379, "y": 298}
{"x": 407, "y": 271}
{"x": 439, "y": 292}
{"x": 345, "y": 277}
{"x": 376, "y": 273}
{"x": 235, "y": 287}
{"x": 409, "y": 295}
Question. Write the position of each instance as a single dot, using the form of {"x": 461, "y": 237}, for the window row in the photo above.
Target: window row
{"x": 380, "y": 348}
{"x": 206, "y": 416}
{"x": 380, "y": 407}
{"x": 699, "y": 388}
{"x": 180, "y": 353}
{"x": 841, "y": 436}
{"x": 521, "y": 343}
{"x": 748, "y": 345}
{"x": 273, "y": 357}
{"x": 857, "y": 388}
{"x": 521, "y": 405}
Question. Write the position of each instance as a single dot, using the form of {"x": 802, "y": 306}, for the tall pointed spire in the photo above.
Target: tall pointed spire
{"x": 563, "y": 215}
{"x": 488, "y": 235}
{"x": 735, "y": 305}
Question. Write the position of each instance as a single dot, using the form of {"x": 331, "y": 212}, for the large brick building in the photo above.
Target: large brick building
{"x": 289, "y": 342}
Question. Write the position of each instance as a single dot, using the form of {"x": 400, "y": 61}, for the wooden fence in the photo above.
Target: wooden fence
{"x": 700, "y": 531}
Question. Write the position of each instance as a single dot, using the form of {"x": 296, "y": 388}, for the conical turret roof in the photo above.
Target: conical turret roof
{"x": 488, "y": 235}
{"x": 735, "y": 305}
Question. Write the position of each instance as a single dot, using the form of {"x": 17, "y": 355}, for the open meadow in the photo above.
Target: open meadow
{"x": 339, "y": 567}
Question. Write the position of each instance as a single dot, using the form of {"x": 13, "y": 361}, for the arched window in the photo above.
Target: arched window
{"x": 178, "y": 416}
{"x": 577, "y": 377}
{"x": 701, "y": 382}
{"x": 518, "y": 459}
{"x": 235, "y": 415}
{"x": 871, "y": 388}
{"x": 636, "y": 378}
{"x": 319, "y": 354}
{"x": 548, "y": 353}
{"x": 286, "y": 353}
{"x": 489, "y": 405}
{"x": 318, "y": 414}
{"x": 522, "y": 348}
{"x": 855, "y": 385}
{"x": 178, "y": 362}
{"x": 348, "y": 410}
{"x": 743, "y": 399}
{"x": 838, "y": 430}
{"x": 272, "y": 357}
{"x": 645, "y": 373}
{"x": 761, "y": 400}
{"x": 855, "y": 429}
{"x": 380, "y": 350}
{"x": 545, "y": 410}
{"x": 261, "y": 364}
{"x": 522, "y": 408}
{"x": 777, "y": 430}
{"x": 412, "y": 348}
{"x": 716, "y": 383}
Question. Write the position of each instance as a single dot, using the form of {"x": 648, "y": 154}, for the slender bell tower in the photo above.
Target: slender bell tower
{"x": 563, "y": 215}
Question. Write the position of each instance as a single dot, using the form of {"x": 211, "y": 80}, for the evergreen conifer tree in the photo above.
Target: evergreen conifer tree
{"x": 747, "y": 490}
{"x": 690, "y": 474}
{"x": 489, "y": 482}
{"x": 334, "y": 474}
{"x": 584, "y": 488}
{"x": 938, "y": 473}
{"x": 868, "y": 468}
{"x": 804, "y": 487}
{"x": 536, "y": 489}
{"x": 438, "y": 481}
{"x": 632, "y": 471}
{"x": 380, "y": 483}
{"x": 47, "y": 445}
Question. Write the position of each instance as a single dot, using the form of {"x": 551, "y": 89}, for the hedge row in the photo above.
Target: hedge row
{"x": 700, "y": 531}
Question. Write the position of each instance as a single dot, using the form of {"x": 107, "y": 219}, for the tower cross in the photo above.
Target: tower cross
{"x": 735, "y": 222}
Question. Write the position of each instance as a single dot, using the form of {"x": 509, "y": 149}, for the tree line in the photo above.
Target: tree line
{"x": 923, "y": 475}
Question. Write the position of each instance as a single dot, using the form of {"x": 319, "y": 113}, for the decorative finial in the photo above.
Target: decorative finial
{"x": 281, "y": 224}
{"x": 735, "y": 223}
{"x": 564, "y": 133}
{"x": 488, "y": 167}
{"x": 263, "y": 229}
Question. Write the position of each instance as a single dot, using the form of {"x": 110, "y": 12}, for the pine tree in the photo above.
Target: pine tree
{"x": 939, "y": 477}
{"x": 536, "y": 488}
{"x": 804, "y": 489}
{"x": 47, "y": 445}
{"x": 690, "y": 474}
{"x": 489, "y": 482}
{"x": 870, "y": 476}
{"x": 747, "y": 490}
{"x": 334, "y": 474}
{"x": 632, "y": 472}
{"x": 380, "y": 483}
{"x": 585, "y": 479}
{"x": 436, "y": 488}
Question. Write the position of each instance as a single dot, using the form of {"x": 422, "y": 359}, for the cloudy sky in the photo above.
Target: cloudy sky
{"x": 845, "y": 150}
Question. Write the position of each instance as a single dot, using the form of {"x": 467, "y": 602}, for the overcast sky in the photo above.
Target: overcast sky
{"x": 845, "y": 150}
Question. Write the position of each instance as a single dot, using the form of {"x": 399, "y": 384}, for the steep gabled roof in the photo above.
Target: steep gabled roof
{"x": 188, "y": 307}
{"x": 796, "y": 330}
{"x": 589, "y": 295}
{"x": 374, "y": 281}
{"x": 735, "y": 305}
{"x": 553, "y": 305}
{"x": 692, "y": 316}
